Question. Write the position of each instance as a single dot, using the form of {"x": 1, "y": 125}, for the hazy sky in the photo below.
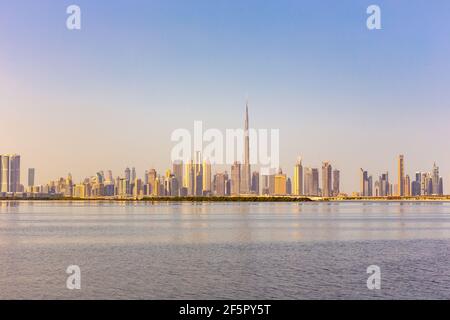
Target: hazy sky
{"x": 109, "y": 96}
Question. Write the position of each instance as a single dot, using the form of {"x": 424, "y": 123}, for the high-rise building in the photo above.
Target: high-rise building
{"x": 15, "y": 173}
{"x": 370, "y": 186}
{"x": 198, "y": 175}
{"x": 384, "y": 185}
{"x": 206, "y": 177}
{"x": 377, "y": 188}
{"x": 189, "y": 178}
{"x": 236, "y": 179}
{"x": 174, "y": 187}
{"x": 255, "y": 182}
{"x": 152, "y": 183}
{"x": 227, "y": 184}
{"x": 4, "y": 173}
{"x": 128, "y": 174}
{"x": 326, "y": 179}
{"x": 124, "y": 187}
{"x": 31, "y": 172}
{"x": 109, "y": 177}
{"x": 280, "y": 183}
{"x": 416, "y": 185}
{"x": 10, "y": 173}
{"x": 265, "y": 184}
{"x": 315, "y": 181}
{"x": 401, "y": 176}
{"x": 363, "y": 183}
{"x": 307, "y": 181}
{"x": 245, "y": 174}
{"x": 298, "y": 178}
{"x": 177, "y": 169}
{"x": 435, "y": 179}
{"x": 137, "y": 188}
{"x": 288, "y": 186}
{"x": 220, "y": 184}
{"x": 407, "y": 186}
{"x": 336, "y": 182}
{"x": 428, "y": 184}
{"x": 423, "y": 183}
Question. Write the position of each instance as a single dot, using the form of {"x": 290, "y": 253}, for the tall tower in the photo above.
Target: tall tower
{"x": 15, "y": 173}
{"x": 31, "y": 172}
{"x": 236, "y": 179}
{"x": 336, "y": 178}
{"x": 206, "y": 176}
{"x": 363, "y": 183}
{"x": 401, "y": 176}
{"x": 5, "y": 168}
{"x": 326, "y": 179}
{"x": 298, "y": 178}
{"x": 435, "y": 179}
{"x": 245, "y": 177}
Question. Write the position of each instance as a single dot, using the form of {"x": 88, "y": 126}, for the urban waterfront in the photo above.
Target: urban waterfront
{"x": 224, "y": 250}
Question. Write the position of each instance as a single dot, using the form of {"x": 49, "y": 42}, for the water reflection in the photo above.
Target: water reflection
{"x": 163, "y": 222}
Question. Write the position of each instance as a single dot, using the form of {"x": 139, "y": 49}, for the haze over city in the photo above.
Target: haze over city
{"x": 109, "y": 95}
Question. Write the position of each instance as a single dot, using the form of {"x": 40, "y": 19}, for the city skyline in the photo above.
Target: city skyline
{"x": 111, "y": 93}
{"x": 197, "y": 177}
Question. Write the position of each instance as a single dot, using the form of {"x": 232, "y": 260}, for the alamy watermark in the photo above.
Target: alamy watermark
{"x": 227, "y": 147}
{"x": 73, "y": 21}
{"x": 74, "y": 279}
{"x": 373, "y": 22}
{"x": 374, "y": 280}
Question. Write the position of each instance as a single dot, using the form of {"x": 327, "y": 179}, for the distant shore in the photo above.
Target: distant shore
{"x": 232, "y": 199}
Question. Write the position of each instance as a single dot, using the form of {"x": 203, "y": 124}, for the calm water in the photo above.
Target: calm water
{"x": 224, "y": 250}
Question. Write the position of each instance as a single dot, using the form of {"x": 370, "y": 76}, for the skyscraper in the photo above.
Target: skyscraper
{"x": 288, "y": 186}
{"x": 308, "y": 182}
{"x": 206, "y": 177}
{"x": 31, "y": 172}
{"x": 363, "y": 183}
{"x": 407, "y": 186}
{"x": 326, "y": 179}
{"x": 416, "y": 185}
{"x": 177, "y": 169}
{"x": 14, "y": 181}
{"x": 128, "y": 174}
{"x": 385, "y": 185}
{"x": 4, "y": 173}
{"x": 198, "y": 175}
{"x": 315, "y": 181}
{"x": 255, "y": 182}
{"x": 401, "y": 176}
{"x": 435, "y": 179}
{"x": 280, "y": 183}
{"x": 219, "y": 184}
{"x": 10, "y": 173}
{"x": 370, "y": 186}
{"x": 236, "y": 179}
{"x": 245, "y": 174}
{"x": 336, "y": 182}
{"x": 152, "y": 183}
{"x": 298, "y": 178}
{"x": 267, "y": 184}
{"x": 189, "y": 178}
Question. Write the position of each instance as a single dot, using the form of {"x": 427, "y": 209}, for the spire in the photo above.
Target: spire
{"x": 246, "y": 115}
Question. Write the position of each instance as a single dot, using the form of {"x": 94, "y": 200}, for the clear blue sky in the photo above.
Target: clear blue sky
{"x": 108, "y": 96}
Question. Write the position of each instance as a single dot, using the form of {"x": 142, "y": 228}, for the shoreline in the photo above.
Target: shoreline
{"x": 237, "y": 199}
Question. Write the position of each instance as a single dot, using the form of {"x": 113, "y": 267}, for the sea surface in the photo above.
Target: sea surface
{"x": 137, "y": 250}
